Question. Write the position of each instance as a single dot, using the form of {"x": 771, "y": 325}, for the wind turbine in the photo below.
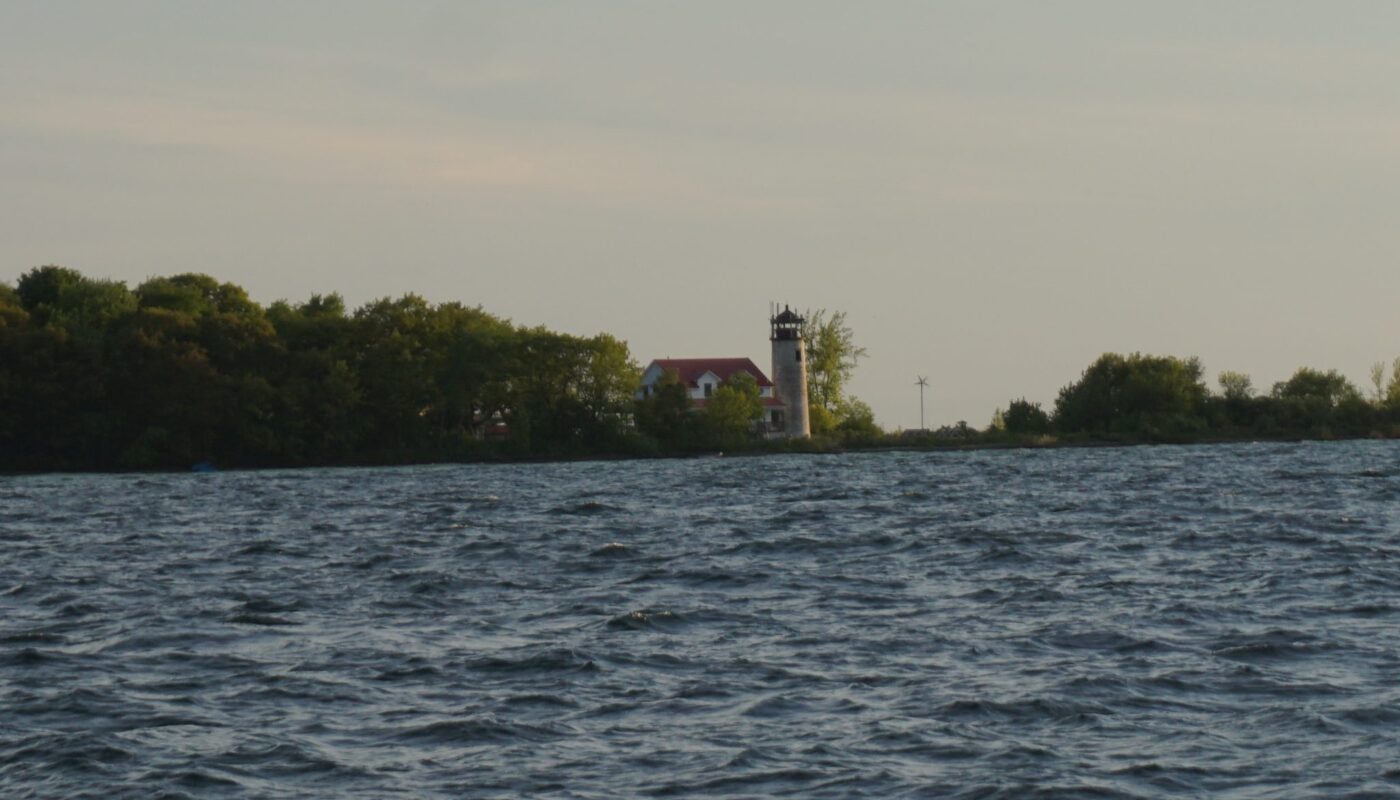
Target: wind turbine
{"x": 922, "y": 383}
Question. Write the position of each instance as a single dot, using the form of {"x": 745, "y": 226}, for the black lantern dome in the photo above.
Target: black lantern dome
{"x": 786, "y": 324}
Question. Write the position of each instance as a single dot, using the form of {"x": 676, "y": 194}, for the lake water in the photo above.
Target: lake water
{"x": 1145, "y": 622}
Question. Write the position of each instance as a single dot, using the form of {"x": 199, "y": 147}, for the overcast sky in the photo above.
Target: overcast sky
{"x": 994, "y": 192}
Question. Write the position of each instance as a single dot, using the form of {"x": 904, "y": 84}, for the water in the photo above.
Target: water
{"x": 1149, "y": 622}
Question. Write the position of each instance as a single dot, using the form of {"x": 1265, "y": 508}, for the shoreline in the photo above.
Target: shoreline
{"x": 814, "y": 447}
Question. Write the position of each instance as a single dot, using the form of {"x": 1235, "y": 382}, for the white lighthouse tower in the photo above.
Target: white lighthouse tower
{"x": 790, "y": 371}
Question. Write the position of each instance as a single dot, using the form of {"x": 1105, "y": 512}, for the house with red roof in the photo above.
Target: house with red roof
{"x": 703, "y": 376}
{"x": 785, "y": 412}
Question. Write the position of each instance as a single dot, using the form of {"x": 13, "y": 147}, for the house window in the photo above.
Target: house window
{"x": 777, "y": 418}
{"x": 709, "y": 387}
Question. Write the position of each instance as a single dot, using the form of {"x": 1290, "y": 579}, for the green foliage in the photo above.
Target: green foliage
{"x": 1392, "y": 392}
{"x": 1319, "y": 403}
{"x": 821, "y": 420}
{"x": 1023, "y": 418}
{"x": 664, "y": 414}
{"x": 195, "y": 294}
{"x": 858, "y": 420}
{"x": 187, "y": 369}
{"x": 1137, "y": 394}
{"x": 1152, "y": 397}
{"x": 1235, "y": 386}
{"x": 12, "y": 312}
{"x": 39, "y": 289}
{"x": 730, "y": 413}
{"x": 1328, "y": 388}
{"x": 1236, "y": 407}
{"x": 832, "y": 356}
{"x": 606, "y": 385}
{"x": 1378, "y": 382}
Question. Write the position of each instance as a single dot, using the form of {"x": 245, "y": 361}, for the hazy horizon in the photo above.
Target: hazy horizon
{"x": 995, "y": 194}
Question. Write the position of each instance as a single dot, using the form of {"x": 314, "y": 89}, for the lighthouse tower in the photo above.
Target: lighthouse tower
{"x": 790, "y": 371}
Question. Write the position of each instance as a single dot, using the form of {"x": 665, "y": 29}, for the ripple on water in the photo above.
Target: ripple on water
{"x": 1134, "y": 622}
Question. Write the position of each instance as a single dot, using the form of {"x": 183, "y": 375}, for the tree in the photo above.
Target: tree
{"x": 58, "y": 365}
{"x": 606, "y": 386}
{"x": 731, "y": 411}
{"x": 821, "y": 420}
{"x": 1134, "y": 394}
{"x": 1320, "y": 402}
{"x": 664, "y": 412}
{"x": 187, "y": 368}
{"x": 246, "y": 356}
{"x": 1329, "y": 388}
{"x": 1235, "y": 385}
{"x": 195, "y": 294}
{"x": 397, "y": 380}
{"x": 1025, "y": 418}
{"x": 858, "y": 419}
{"x": 169, "y": 392}
{"x": 832, "y": 356}
{"x": 317, "y": 385}
{"x": 40, "y": 288}
{"x": 475, "y": 372}
{"x": 1392, "y": 392}
{"x": 1236, "y": 406}
{"x": 12, "y": 313}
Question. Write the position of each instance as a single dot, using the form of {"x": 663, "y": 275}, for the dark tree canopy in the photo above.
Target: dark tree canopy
{"x": 1330, "y": 388}
{"x": 664, "y": 414}
{"x": 1134, "y": 394}
{"x": 187, "y": 368}
{"x": 1025, "y": 418}
{"x": 1154, "y": 397}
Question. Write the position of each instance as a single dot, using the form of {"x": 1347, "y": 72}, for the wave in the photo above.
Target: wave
{"x": 482, "y": 729}
{"x": 1130, "y": 623}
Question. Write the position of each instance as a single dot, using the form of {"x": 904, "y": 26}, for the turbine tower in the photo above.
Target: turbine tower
{"x": 922, "y": 383}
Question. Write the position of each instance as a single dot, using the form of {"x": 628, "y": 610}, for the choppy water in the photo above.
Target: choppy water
{"x": 1146, "y": 622}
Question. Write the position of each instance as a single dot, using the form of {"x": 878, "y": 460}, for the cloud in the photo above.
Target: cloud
{"x": 377, "y": 153}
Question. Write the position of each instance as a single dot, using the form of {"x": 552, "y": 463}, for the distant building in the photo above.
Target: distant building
{"x": 790, "y": 370}
{"x": 782, "y": 417}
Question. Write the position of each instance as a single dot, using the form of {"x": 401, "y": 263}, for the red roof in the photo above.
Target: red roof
{"x": 691, "y": 369}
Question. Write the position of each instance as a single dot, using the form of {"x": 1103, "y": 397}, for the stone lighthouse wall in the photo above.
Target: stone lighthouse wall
{"x": 790, "y": 377}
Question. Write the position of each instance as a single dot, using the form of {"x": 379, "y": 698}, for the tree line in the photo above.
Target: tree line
{"x": 186, "y": 369}
{"x": 1166, "y": 398}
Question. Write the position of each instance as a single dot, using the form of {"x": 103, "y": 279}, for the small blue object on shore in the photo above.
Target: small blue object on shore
{"x": 204, "y": 466}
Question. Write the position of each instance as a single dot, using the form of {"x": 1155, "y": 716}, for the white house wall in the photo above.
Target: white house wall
{"x": 708, "y": 379}
{"x": 649, "y": 379}
{"x": 654, "y": 372}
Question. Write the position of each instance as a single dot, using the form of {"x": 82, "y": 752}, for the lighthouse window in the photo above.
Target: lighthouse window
{"x": 799, "y": 356}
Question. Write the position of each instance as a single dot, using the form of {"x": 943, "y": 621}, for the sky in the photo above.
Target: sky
{"x": 995, "y": 193}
